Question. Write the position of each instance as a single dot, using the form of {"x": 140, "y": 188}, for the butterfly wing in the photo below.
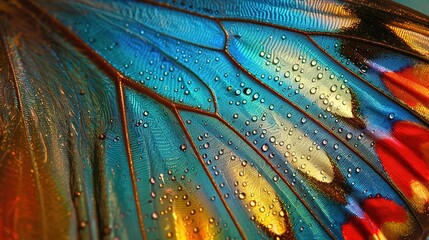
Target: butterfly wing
{"x": 212, "y": 119}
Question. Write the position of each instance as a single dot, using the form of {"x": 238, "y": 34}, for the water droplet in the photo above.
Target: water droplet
{"x": 247, "y": 91}
{"x": 82, "y": 224}
{"x": 242, "y": 196}
{"x": 349, "y": 136}
{"x": 275, "y": 61}
{"x": 275, "y": 178}
{"x": 77, "y": 194}
{"x": 255, "y": 96}
{"x": 102, "y": 136}
{"x": 295, "y": 67}
{"x": 265, "y": 147}
{"x": 183, "y": 147}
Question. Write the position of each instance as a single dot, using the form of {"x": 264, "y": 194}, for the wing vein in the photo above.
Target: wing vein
{"x": 26, "y": 132}
{"x": 219, "y": 193}
{"x": 122, "y": 108}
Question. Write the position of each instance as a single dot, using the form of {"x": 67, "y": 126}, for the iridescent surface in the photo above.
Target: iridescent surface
{"x": 213, "y": 120}
{"x": 415, "y": 4}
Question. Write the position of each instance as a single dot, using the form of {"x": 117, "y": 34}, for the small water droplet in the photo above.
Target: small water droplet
{"x": 276, "y": 61}
{"x": 287, "y": 74}
{"x": 275, "y": 178}
{"x": 242, "y": 196}
{"x": 265, "y": 147}
{"x": 349, "y": 136}
{"x": 183, "y": 147}
{"x": 295, "y": 67}
{"x": 77, "y": 194}
{"x": 247, "y": 91}
{"x": 102, "y": 136}
{"x": 255, "y": 96}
